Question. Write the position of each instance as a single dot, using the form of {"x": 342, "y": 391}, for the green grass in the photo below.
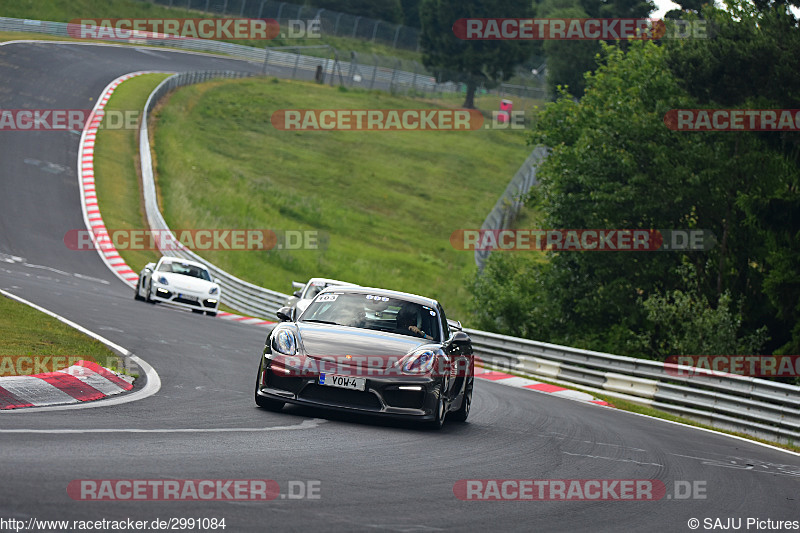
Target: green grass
{"x": 388, "y": 201}
{"x": 26, "y": 331}
{"x": 116, "y": 163}
{"x": 67, "y": 10}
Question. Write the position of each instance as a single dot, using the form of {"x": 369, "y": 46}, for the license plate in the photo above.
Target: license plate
{"x": 343, "y": 382}
{"x": 187, "y": 297}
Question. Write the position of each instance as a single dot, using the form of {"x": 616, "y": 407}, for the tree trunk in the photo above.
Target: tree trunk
{"x": 469, "y": 101}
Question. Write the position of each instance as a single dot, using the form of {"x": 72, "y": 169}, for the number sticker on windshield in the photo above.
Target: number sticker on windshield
{"x": 328, "y": 298}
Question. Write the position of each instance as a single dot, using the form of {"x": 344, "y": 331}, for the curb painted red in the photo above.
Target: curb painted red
{"x": 524, "y": 383}
{"x": 84, "y": 381}
{"x": 91, "y": 209}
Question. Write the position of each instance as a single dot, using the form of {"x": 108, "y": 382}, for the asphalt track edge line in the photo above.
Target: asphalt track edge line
{"x": 153, "y": 381}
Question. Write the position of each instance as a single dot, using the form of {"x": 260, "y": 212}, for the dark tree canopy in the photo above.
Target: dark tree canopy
{"x": 470, "y": 62}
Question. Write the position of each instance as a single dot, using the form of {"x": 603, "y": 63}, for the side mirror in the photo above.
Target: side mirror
{"x": 284, "y": 314}
{"x": 460, "y": 337}
{"x": 297, "y": 294}
{"x": 455, "y": 325}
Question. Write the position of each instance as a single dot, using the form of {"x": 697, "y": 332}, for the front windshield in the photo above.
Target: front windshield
{"x": 369, "y": 311}
{"x": 185, "y": 269}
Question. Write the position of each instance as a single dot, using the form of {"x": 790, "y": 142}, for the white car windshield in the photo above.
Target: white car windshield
{"x": 376, "y": 312}
{"x": 184, "y": 269}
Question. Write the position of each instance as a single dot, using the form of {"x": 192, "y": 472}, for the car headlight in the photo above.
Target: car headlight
{"x": 214, "y": 290}
{"x": 420, "y": 361}
{"x": 285, "y": 342}
{"x": 163, "y": 280}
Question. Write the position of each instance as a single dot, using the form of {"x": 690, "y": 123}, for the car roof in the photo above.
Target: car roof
{"x": 416, "y": 298}
{"x": 331, "y": 281}
{"x": 182, "y": 260}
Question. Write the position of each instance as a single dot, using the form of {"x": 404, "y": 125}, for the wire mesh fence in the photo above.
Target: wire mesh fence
{"x": 330, "y": 22}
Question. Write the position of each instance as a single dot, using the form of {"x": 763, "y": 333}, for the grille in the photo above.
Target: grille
{"x": 291, "y": 384}
{"x": 404, "y": 398}
{"x": 185, "y": 301}
{"x": 341, "y": 397}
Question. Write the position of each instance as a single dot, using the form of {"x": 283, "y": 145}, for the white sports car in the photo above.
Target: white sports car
{"x": 307, "y": 291}
{"x": 180, "y": 282}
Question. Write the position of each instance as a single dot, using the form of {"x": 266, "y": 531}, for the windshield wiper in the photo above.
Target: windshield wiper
{"x": 320, "y": 321}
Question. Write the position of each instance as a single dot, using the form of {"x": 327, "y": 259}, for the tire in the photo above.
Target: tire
{"x": 149, "y": 293}
{"x": 136, "y": 291}
{"x": 211, "y": 313}
{"x": 199, "y": 311}
{"x": 266, "y": 403}
{"x": 440, "y": 414}
{"x": 466, "y": 403}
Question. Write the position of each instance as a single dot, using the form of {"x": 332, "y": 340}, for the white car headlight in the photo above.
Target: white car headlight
{"x": 420, "y": 361}
{"x": 284, "y": 342}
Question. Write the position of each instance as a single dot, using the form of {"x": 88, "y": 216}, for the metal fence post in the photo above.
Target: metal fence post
{"x": 396, "y": 35}
{"x": 266, "y": 60}
{"x": 374, "y": 71}
{"x": 296, "y": 62}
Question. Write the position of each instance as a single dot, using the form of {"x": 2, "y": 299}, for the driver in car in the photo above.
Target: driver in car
{"x": 407, "y": 321}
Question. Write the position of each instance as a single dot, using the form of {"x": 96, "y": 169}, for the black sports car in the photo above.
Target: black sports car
{"x": 372, "y": 351}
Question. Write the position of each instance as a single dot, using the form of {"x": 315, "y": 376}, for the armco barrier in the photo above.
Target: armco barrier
{"x": 754, "y": 406}
{"x": 236, "y": 293}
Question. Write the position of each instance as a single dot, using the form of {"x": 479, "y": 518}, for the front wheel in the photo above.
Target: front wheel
{"x": 136, "y": 294}
{"x": 441, "y": 412}
{"x": 266, "y": 403}
{"x": 466, "y": 403}
{"x": 148, "y": 296}
{"x": 211, "y": 313}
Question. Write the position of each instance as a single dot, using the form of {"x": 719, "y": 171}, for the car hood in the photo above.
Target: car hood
{"x": 320, "y": 340}
{"x": 186, "y": 283}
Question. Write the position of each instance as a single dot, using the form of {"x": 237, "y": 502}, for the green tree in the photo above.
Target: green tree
{"x": 411, "y": 13}
{"x": 470, "y": 62}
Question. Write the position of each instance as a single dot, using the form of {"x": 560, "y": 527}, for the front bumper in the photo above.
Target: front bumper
{"x": 186, "y": 299}
{"x": 381, "y": 396}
